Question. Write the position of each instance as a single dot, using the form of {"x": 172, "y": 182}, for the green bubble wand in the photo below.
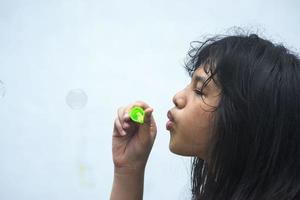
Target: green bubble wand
{"x": 137, "y": 114}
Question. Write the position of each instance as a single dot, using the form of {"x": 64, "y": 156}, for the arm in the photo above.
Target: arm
{"x": 128, "y": 185}
{"x": 131, "y": 146}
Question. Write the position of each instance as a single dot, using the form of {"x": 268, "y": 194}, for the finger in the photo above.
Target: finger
{"x": 141, "y": 104}
{"x": 148, "y": 113}
{"x": 145, "y": 129}
{"x": 121, "y": 115}
{"x": 130, "y": 127}
{"x": 150, "y": 122}
{"x": 118, "y": 130}
{"x": 124, "y": 113}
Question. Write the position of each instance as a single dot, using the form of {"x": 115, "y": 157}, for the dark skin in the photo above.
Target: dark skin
{"x": 132, "y": 143}
{"x": 192, "y": 116}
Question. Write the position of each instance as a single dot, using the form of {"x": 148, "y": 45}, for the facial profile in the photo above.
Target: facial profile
{"x": 191, "y": 118}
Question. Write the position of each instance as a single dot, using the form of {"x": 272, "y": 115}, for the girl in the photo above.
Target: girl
{"x": 239, "y": 118}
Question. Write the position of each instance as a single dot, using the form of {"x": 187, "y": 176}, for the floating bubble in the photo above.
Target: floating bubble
{"x": 2, "y": 89}
{"x": 76, "y": 99}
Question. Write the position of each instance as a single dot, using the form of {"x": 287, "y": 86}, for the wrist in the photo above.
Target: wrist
{"x": 128, "y": 183}
{"x": 129, "y": 171}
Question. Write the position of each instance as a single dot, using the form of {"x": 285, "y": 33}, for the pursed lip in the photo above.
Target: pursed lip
{"x": 170, "y": 123}
{"x": 170, "y": 116}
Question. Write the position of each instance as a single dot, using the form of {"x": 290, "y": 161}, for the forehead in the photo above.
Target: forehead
{"x": 200, "y": 72}
{"x": 201, "y": 76}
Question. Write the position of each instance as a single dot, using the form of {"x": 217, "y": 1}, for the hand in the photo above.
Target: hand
{"x": 132, "y": 142}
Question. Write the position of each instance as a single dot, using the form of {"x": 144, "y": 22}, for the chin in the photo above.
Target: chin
{"x": 183, "y": 151}
{"x": 173, "y": 149}
{"x": 178, "y": 151}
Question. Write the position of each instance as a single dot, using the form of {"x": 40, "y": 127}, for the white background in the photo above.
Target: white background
{"x": 117, "y": 52}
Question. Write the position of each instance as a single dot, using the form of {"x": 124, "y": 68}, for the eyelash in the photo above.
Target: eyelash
{"x": 198, "y": 92}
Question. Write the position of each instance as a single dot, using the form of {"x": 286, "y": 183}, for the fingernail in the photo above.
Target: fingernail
{"x": 126, "y": 117}
{"x": 123, "y": 133}
{"x": 125, "y": 125}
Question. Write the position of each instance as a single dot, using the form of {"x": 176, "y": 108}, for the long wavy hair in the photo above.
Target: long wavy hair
{"x": 254, "y": 153}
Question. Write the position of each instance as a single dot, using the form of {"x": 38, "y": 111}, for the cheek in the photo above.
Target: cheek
{"x": 190, "y": 139}
{"x": 188, "y": 143}
{"x": 195, "y": 122}
{"x": 198, "y": 135}
{"x": 196, "y": 132}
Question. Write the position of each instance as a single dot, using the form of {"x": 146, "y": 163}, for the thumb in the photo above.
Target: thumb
{"x": 147, "y": 118}
{"x": 146, "y": 128}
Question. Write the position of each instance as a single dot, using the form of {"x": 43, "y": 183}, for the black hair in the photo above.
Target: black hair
{"x": 254, "y": 153}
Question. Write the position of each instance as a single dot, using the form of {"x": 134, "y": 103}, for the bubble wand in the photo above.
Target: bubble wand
{"x": 137, "y": 114}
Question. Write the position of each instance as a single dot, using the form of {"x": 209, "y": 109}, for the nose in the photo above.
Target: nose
{"x": 179, "y": 99}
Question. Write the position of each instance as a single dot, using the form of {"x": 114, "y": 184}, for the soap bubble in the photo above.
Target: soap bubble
{"x": 76, "y": 99}
{"x": 2, "y": 89}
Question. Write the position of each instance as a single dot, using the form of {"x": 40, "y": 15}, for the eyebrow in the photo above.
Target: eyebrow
{"x": 201, "y": 79}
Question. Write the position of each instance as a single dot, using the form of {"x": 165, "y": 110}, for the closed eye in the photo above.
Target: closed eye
{"x": 198, "y": 92}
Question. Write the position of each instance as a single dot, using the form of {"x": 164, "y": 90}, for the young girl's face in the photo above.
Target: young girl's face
{"x": 191, "y": 116}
